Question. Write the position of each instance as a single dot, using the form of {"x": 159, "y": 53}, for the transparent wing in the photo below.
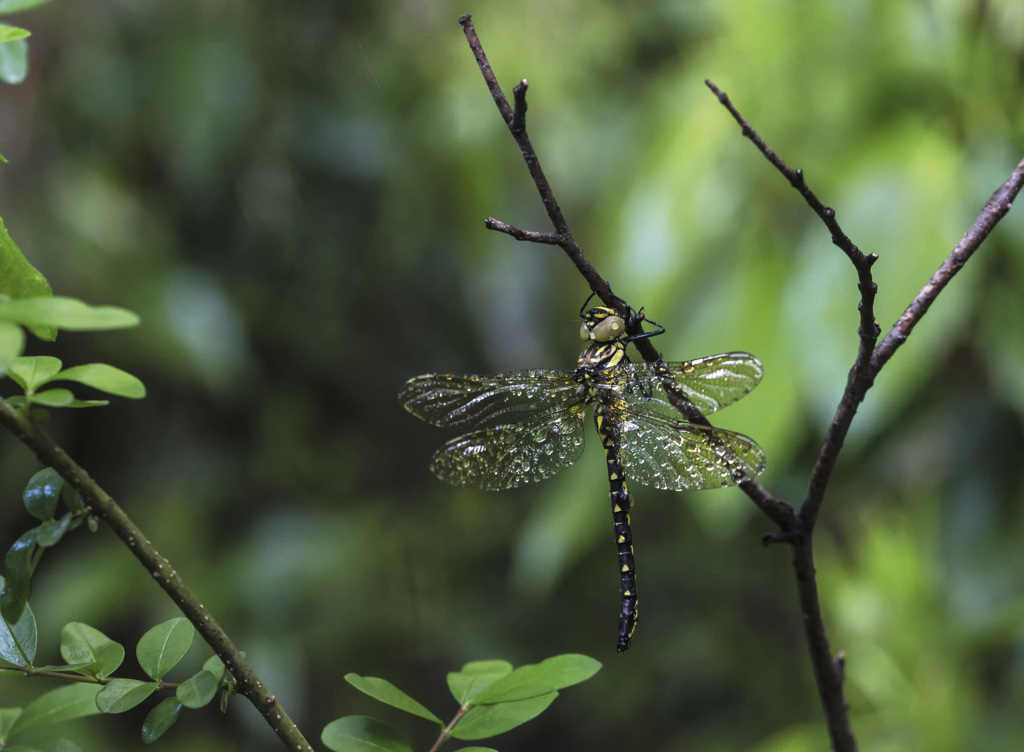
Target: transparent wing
{"x": 676, "y": 455}
{"x": 457, "y": 401}
{"x": 709, "y": 383}
{"x": 507, "y": 456}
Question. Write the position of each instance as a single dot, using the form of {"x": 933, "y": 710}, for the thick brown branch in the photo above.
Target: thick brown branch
{"x": 828, "y": 672}
{"x": 159, "y": 568}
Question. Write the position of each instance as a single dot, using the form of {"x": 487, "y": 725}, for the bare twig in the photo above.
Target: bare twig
{"x": 994, "y": 210}
{"x": 563, "y": 237}
{"x": 871, "y": 356}
{"x": 159, "y": 568}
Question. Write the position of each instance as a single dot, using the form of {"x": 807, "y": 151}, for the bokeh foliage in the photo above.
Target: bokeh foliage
{"x": 292, "y": 198}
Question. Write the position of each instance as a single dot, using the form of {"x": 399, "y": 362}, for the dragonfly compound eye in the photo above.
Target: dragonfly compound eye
{"x": 602, "y": 325}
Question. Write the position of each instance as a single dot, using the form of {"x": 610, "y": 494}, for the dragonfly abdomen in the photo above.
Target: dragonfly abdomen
{"x": 620, "y": 501}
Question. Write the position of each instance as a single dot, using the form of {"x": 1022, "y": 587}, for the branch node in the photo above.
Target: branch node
{"x": 871, "y": 259}
{"x": 519, "y": 113}
{"x": 782, "y": 536}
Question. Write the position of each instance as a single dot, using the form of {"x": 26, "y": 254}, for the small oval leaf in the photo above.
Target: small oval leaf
{"x": 483, "y": 721}
{"x": 198, "y": 690}
{"x": 16, "y": 6}
{"x": 18, "y": 640}
{"x": 14, "y": 61}
{"x": 386, "y": 692}
{"x": 475, "y": 677}
{"x": 58, "y": 705}
{"x": 50, "y": 533}
{"x": 19, "y": 564}
{"x": 42, "y": 493}
{"x": 360, "y": 733}
{"x": 537, "y": 679}
{"x": 66, "y": 313}
{"x": 106, "y": 378}
{"x": 80, "y": 643}
{"x": 160, "y": 718}
{"x": 124, "y": 694}
{"x": 54, "y": 398}
{"x": 12, "y": 345}
{"x": 164, "y": 645}
{"x": 30, "y": 373}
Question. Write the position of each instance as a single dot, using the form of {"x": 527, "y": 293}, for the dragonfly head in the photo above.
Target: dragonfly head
{"x": 602, "y": 325}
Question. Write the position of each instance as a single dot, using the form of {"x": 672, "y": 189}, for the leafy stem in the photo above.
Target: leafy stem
{"x": 161, "y": 570}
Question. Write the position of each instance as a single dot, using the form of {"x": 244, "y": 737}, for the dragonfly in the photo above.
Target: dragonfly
{"x": 525, "y": 426}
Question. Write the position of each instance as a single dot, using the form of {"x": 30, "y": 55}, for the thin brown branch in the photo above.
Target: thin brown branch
{"x": 159, "y": 568}
{"x": 515, "y": 119}
{"x": 994, "y": 210}
{"x": 545, "y": 238}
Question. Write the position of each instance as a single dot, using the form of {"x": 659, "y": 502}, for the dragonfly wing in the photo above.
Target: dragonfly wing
{"x": 457, "y": 401}
{"x": 709, "y": 383}
{"x": 507, "y": 456}
{"x": 676, "y": 455}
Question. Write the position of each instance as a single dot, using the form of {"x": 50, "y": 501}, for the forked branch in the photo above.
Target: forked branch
{"x": 794, "y": 529}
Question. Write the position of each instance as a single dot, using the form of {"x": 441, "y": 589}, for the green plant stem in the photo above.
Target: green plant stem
{"x": 161, "y": 570}
{"x": 446, "y": 733}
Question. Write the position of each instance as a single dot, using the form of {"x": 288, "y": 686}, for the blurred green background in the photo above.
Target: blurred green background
{"x": 292, "y": 196}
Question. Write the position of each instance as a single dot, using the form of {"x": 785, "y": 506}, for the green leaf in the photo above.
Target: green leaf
{"x": 72, "y": 498}
{"x": 18, "y": 278}
{"x": 58, "y": 705}
{"x": 9, "y": 33}
{"x": 476, "y": 749}
{"x": 80, "y": 643}
{"x": 50, "y": 532}
{"x": 124, "y": 694}
{"x": 88, "y": 403}
{"x": 19, "y": 564}
{"x": 475, "y": 677}
{"x": 215, "y": 666}
{"x": 54, "y": 398}
{"x": 66, "y": 313}
{"x": 164, "y": 645}
{"x": 14, "y": 63}
{"x": 16, "y": 6}
{"x": 537, "y": 679}
{"x": 360, "y": 733}
{"x": 42, "y": 493}
{"x": 7, "y": 718}
{"x": 106, "y": 378}
{"x": 386, "y": 692}
{"x": 198, "y": 690}
{"x": 18, "y": 640}
{"x": 160, "y": 718}
{"x": 12, "y": 344}
{"x": 31, "y": 372}
{"x": 483, "y": 721}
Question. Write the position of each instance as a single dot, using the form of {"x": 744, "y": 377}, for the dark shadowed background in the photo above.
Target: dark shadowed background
{"x": 292, "y": 197}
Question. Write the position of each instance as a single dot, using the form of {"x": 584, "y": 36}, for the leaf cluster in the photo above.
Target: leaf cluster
{"x": 493, "y": 698}
{"x": 90, "y": 657}
{"x": 45, "y": 490}
{"x": 13, "y": 44}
